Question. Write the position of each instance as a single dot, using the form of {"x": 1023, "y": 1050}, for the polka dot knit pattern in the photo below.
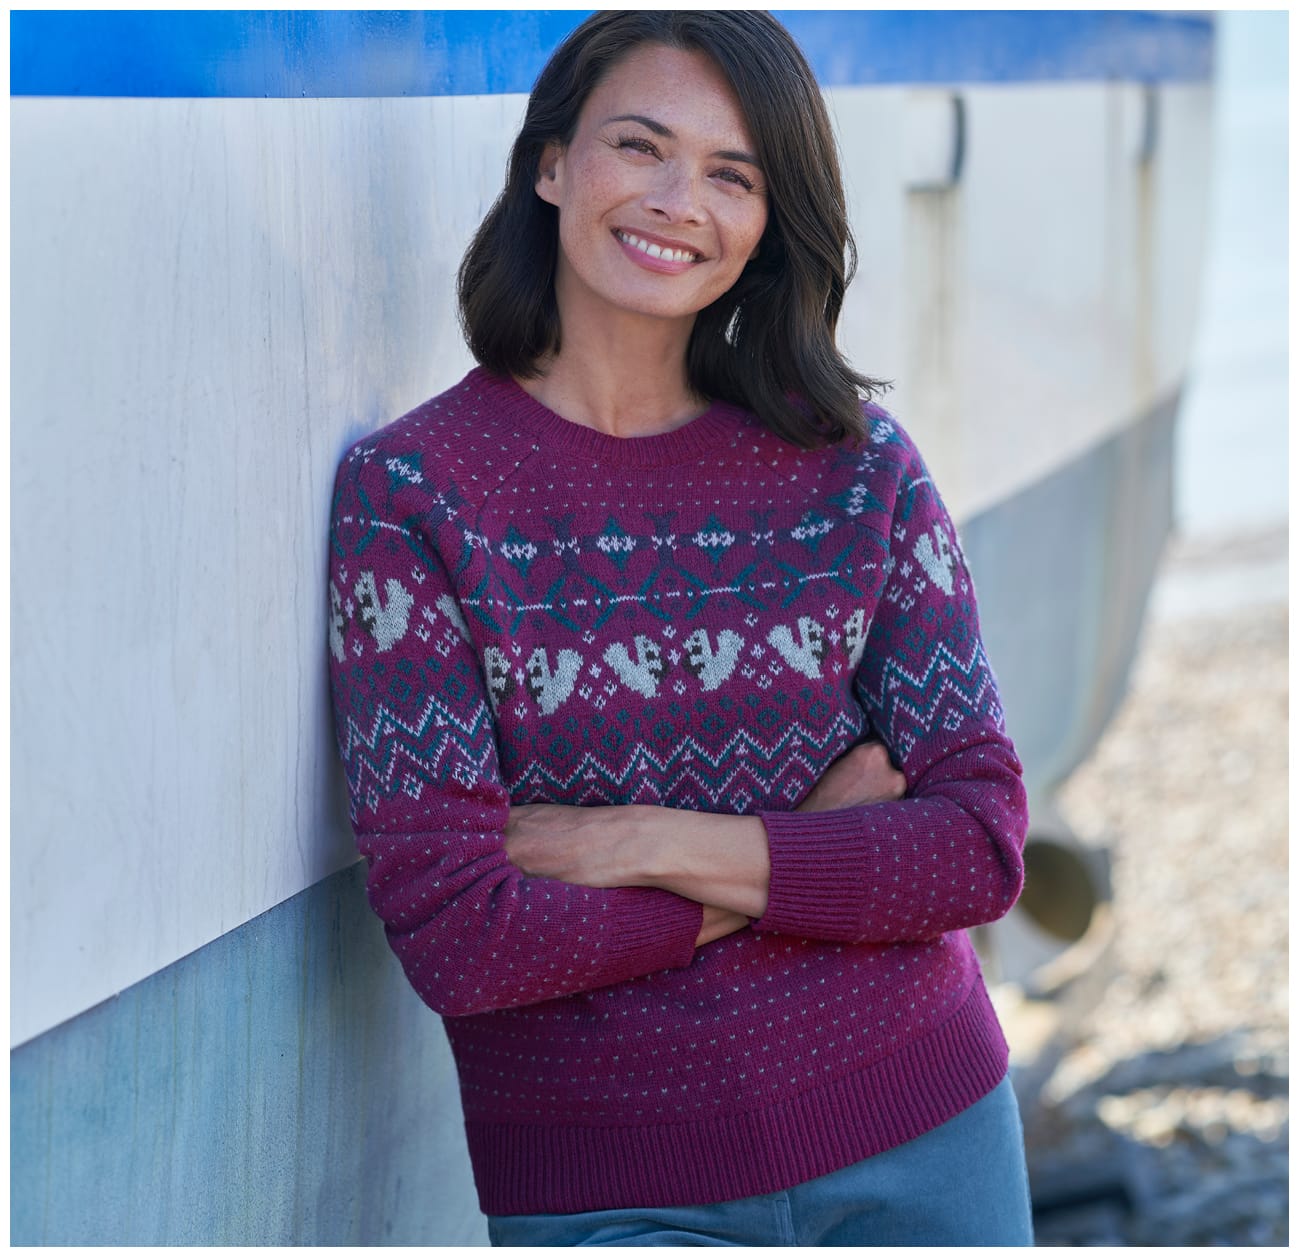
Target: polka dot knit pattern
{"x": 524, "y": 609}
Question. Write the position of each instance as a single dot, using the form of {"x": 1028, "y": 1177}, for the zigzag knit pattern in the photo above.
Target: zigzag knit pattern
{"x": 523, "y": 609}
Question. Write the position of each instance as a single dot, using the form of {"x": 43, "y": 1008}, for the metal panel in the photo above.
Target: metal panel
{"x": 1063, "y": 571}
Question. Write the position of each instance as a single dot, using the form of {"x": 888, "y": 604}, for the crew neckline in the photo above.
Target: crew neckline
{"x": 553, "y": 433}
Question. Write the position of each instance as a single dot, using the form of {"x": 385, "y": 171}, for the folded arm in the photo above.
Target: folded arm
{"x": 878, "y": 868}
{"x": 945, "y": 858}
{"x": 721, "y": 861}
{"x": 949, "y": 855}
{"x": 417, "y": 739}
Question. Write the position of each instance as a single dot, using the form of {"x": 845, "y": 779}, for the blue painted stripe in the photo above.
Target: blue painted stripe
{"x": 910, "y": 46}
{"x": 334, "y": 53}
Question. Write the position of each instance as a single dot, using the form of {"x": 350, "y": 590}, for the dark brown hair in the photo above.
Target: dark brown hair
{"x": 768, "y": 344}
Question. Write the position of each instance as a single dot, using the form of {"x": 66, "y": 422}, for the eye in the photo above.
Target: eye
{"x": 735, "y": 177}
{"x": 637, "y": 143}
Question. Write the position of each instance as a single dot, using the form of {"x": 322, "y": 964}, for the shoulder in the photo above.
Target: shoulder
{"x": 880, "y": 464}
{"x": 887, "y": 444}
{"x": 460, "y": 443}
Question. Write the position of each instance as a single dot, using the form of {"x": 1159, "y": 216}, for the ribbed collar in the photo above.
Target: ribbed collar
{"x": 716, "y": 427}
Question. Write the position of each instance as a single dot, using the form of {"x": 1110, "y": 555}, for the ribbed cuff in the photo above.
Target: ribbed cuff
{"x": 656, "y": 930}
{"x": 814, "y": 856}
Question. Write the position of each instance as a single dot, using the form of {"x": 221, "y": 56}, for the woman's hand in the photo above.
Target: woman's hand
{"x": 861, "y": 775}
{"x": 719, "y": 922}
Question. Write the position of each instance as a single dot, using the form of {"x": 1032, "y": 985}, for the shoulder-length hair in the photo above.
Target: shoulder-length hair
{"x": 768, "y": 344}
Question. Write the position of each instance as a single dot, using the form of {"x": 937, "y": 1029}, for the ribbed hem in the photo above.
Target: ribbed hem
{"x": 802, "y": 900}
{"x": 570, "y": 1169}
{"x": 714, "y": 429}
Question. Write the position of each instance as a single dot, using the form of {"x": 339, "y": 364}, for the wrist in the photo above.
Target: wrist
{"x": 649, "y": 850}
{"x": 714, "y": 858}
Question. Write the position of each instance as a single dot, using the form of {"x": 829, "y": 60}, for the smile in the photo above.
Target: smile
{"x": 657, "y": 251}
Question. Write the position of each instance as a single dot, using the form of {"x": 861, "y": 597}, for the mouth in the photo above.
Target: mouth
{"x": 664, "y": 252}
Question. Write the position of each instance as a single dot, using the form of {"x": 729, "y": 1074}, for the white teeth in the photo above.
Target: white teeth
{"x": 657, "y": 251}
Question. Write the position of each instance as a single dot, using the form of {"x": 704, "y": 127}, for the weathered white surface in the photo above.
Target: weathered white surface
{"x": 1025, "y": 314}
{"x": 211, "y": 299}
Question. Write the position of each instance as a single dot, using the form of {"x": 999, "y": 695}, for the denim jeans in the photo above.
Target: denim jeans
{"x": 962, "y": 1184}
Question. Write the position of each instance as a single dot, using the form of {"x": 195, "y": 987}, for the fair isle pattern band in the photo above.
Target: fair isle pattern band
{"x": 577, "y": 581}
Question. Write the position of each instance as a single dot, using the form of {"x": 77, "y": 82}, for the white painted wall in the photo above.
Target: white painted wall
{"x": 212, "y": 299}
{"x": 1011, "y": 312}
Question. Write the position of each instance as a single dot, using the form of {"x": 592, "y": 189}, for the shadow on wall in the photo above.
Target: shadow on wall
{"x": 273, "y": 1119}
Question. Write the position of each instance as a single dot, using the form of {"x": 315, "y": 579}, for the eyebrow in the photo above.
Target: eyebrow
{"x": 726, "y": 154}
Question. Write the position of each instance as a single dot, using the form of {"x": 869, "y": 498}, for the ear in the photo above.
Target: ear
{"x": 549, "y": 171}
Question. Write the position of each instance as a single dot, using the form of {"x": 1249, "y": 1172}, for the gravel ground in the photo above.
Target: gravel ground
{"x": 1167, "y": 1118}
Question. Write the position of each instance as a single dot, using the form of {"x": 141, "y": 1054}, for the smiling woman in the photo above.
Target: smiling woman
{"x": 671, "y": 742}
{"x": 655, "y": 220}
{"x": 665, "y": 194}
{"x": 756, "y": 133}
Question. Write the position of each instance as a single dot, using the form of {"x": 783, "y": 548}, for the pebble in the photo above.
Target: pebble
{"x": 1178, "y": 1082}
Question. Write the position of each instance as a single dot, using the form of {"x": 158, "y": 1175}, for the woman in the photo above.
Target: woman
{"x": 619, "y": 624}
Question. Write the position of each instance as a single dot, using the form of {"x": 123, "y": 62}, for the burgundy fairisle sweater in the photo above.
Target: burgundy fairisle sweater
{"x": 527, "y": 610}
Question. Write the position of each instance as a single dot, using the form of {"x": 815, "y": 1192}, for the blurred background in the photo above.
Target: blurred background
{"x": 1163, "y": 1115}
{"x": 234, "y": 237}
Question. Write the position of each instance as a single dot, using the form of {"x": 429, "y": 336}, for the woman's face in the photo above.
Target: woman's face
{"x": 661, "y": 202}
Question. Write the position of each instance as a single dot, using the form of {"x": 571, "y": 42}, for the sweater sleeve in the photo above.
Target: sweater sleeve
{"x": 417, "y": 738}
{"x": 949, "y": 855}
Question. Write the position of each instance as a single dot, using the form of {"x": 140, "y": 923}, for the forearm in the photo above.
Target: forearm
{"x": 474, "y": 935}
{"x": 712, "y": 858}
{"x": 718, "y": 861}
{"x": 881, "y": 872}
{"x": 721, "y": 860}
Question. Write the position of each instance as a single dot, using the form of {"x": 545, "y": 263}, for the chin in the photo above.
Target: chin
{"x": 669, "y": 306}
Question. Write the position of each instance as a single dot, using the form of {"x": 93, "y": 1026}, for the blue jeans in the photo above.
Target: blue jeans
{"x": 962, "y": 1184}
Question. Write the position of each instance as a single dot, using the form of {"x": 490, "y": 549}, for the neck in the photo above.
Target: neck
{"x": 623, "y": 374}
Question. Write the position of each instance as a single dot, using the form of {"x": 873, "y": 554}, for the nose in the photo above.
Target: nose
{"x": 675, "y": 194}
